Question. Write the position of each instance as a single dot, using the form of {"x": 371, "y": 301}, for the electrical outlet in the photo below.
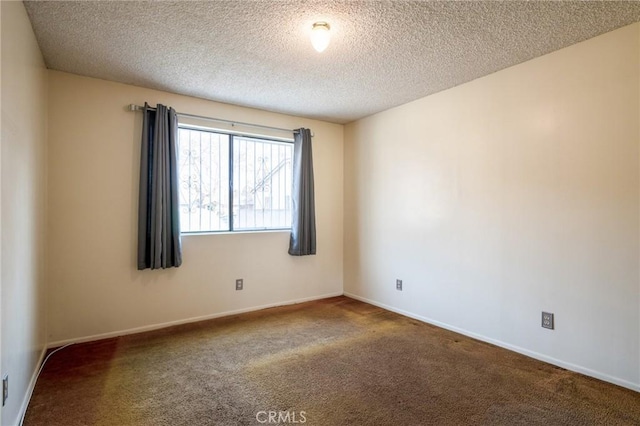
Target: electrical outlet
{"x": 5, "y": 389}
{"x": 547, "y": 320}
{"x": 399, "y": 285}
{"x": 239, "y": 284}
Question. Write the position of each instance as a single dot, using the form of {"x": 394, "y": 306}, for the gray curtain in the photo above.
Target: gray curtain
{"x": 303, "y": 229}
{"x": 159, "y": 244}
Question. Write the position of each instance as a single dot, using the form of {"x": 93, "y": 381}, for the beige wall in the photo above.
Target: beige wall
{"x": 23, "y": 153}
{"x": 95, "y": 289}
{"x": 512, "y": 194}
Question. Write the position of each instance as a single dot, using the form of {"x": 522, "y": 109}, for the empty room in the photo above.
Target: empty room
{"x": 320, "y": 212}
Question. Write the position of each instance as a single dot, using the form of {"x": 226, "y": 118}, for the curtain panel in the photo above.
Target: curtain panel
{"x": 303, "y": 229}
{"x": 159, "y": 244}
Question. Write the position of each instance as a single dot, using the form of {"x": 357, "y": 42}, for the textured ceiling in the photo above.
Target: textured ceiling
{"x": 257, "y": 53}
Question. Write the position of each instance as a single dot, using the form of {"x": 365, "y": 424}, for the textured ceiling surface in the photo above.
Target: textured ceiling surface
{"x": 258, "y": 54}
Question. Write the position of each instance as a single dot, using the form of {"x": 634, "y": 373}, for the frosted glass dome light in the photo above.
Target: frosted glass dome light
{"x": 320, "y": 36}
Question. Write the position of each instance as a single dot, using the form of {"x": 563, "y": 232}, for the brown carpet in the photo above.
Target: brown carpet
{"x": 331, "y": 362}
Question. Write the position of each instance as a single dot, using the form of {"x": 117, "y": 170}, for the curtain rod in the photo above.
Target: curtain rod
{"x": 134, "y": 107}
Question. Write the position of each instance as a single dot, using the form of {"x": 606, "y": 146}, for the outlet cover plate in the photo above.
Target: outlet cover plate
{"x": 399, "y": 285}
{"x": 547, "y": 320}
{"x": 239, "y": 284}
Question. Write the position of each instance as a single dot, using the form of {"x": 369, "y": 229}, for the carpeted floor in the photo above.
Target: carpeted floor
{"x": 330, "y": 362}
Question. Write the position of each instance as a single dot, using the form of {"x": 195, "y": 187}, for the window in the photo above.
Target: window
{"x": 260, "y": 178}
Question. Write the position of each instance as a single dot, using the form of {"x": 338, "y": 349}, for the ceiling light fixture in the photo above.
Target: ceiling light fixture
{"x": 320, "y": 36}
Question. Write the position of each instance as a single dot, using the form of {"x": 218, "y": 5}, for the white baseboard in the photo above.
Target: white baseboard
{"x": 30, "y": 388}
{"x": 527, "y": 352}
{"x": 185, "y": 321}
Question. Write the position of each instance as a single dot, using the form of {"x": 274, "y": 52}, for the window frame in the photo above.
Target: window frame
{"x": 232, "y": 135}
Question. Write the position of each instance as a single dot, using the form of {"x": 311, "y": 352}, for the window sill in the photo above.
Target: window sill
{"x": 257, "y": 231}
